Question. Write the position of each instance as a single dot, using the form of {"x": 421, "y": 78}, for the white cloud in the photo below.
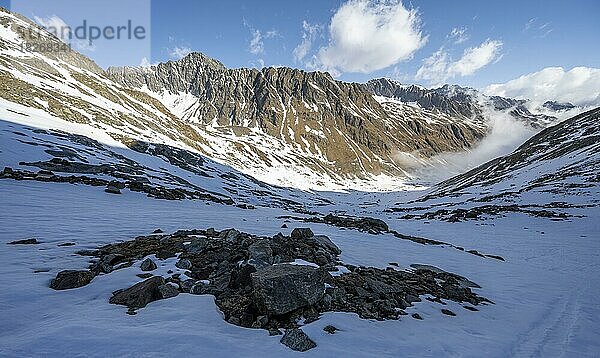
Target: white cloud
{"x": 439, "y": 67}
{"x": 458, "y": 35}
{"x": 179, "y": 52}
{"x": 256, "y": 43}
{"x": 309, "y": 34}
{"x": 580, "y": 86}
{"x": 369, "y": 35}
{"x": 59, "y": 28}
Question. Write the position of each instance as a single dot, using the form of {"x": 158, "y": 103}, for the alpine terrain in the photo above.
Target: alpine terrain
{"x": 188, "y": 208}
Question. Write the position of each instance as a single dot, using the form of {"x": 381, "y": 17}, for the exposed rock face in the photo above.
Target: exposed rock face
{"x": 457, "y": 101}
{"x": 280, "y": 289}
{"x": 297, "y": 340}
{"x": 68, "y": 279}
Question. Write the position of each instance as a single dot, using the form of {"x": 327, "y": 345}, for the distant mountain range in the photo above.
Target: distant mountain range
{"x": 281, "y": 125}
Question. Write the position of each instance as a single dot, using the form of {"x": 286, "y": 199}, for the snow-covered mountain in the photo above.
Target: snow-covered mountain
{"x": 458, "y": 101}
{"x": 555, "y": 170}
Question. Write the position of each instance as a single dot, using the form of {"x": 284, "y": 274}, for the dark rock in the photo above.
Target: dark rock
{"x": 111, "y": 189}
{"x": 448, "y": 312}
{"x": 68, "y": 279}
{"x": 144, "y": 275}
{"x": 24, "y": 242}
{"x": 416, "y": 316}
{"x": 330, "y": 329}
{"x": 470, "y": 308}
{"x": 229, "y": 234}
{"x": 261, "y": 253}
{"x": 157, "y": 231}
{"x": 148, "y": 265}
{"x": 297, "y": 340}
{"x": 140, "y": 294}
{"x": 186, "y": 285}
{"x": 184, "y": 264}
{"x": 281, "y": 289}
{"x": 274, "y": 332}
{"x": 66, "y": 244}
{"x": 284, "y": 226}
{"x": 301, "y": 233}
{"x": 168, "y": 291}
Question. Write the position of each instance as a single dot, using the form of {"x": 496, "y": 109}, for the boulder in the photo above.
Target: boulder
{"x": 229, "y": 234}
{"x": 324, "y": 242}
{"x": 301, "y": 233}
{"x": 111, "y": 189}
{"x": 148, "y": 265}
{"x": 297, "y": 340}
{"x": 140, "y": 294}
{"x": 168, "y": 291}
{"x": 71, "y": 279}
{"x": 283, "y": 288}
{"x": 184, "y": 264}
{"x": 261, "y": 253}
{"x": 24, "y": 242}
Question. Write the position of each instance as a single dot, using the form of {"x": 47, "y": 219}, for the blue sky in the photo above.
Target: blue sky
{"x": 513, "y": 37}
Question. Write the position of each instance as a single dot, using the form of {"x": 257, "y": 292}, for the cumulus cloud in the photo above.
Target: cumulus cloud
{"x": 309, "y": 34}
{"x": 439, "y": 67}
{"x": 179, "y": 52}
{"x": 458, "y": 35}
{"x": 580, "y": 86}
{"x": 369, "y": 35}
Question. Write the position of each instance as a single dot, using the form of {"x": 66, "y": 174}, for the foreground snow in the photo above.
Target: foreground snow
{"x": 545, "y": 292}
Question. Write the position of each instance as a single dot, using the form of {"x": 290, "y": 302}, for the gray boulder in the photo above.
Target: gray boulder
{"x": 261, "y": 253}
{"x": 184, "y": 264}
{"x": 281, "y": 289}
{"x": 301, "y": 233}
{"x": 168, "y": 291}
{"x": 229, "y": 234}
{"x": 140, "y": 294}
{"x": 112, "y": 189}
{"x": 148, "y": 265}
{"x": 71, "y": 279}
{"x": 297, "y": 340}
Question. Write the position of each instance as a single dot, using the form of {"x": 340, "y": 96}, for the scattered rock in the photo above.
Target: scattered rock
{"x": 330, "y": 329}
{"x": 416, "y": 316}
{"x": 157, "y": 231}
{"x": 448, "y": 312}
{"x": 111, "y": 189}
{"x": 144, "y": 275}
{"x": 24, "y": 242}
{"x": 148, "y": 265}
{"x": 281, "y": 289}
{"x": 66, "y": 244}
{"x": 297, "y": 340}
{"x": 470, "y": 308}
{"x": 68, "y": 279}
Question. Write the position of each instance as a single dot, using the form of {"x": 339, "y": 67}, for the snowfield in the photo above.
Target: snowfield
{"x": 545, "y": 292}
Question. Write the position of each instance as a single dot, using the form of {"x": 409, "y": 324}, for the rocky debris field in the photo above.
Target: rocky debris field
{"x": 377, "y": 226}
{"x": 481, "y": 212}
{"x": 274, "y": 283}
{"x": 132, "y": 182}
